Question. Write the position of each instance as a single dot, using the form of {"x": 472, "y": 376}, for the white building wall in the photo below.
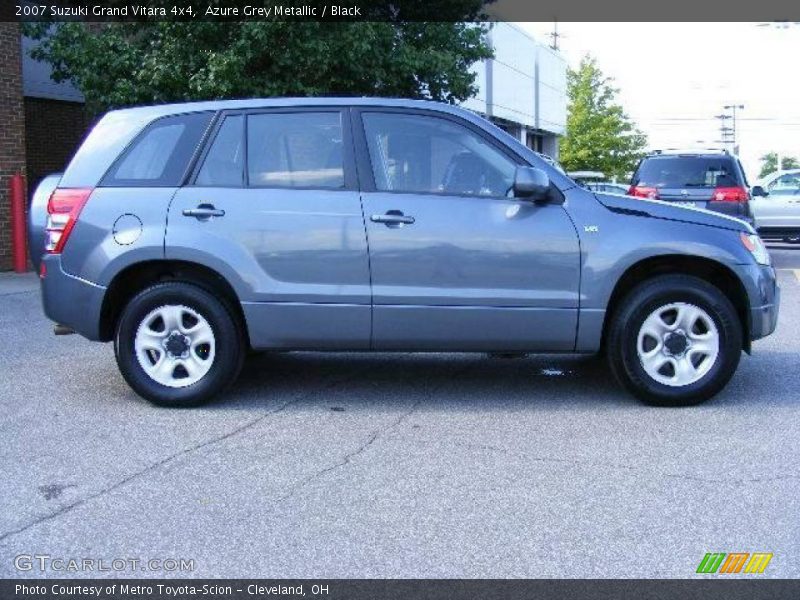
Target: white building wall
{"x": 524, "y": 87}
{"x": 513, "y": 75}
{"x": 552, "y": 91}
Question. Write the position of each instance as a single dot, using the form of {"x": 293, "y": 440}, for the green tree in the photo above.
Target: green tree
{"x": 769, "y": 163}
{"x": 121, "y": 64}
{"x": 600, "y": 136}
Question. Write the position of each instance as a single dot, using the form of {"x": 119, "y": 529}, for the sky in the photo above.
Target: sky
{"x": 675, "y": 77}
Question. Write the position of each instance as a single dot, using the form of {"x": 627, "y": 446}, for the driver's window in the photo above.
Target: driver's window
{"x": 786, "y": 185}
{"x": 414, "y": 153}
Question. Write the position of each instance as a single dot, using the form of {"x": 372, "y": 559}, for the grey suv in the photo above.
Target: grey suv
{"x": 188, "y": 234}
{"x": 714, "y": 180}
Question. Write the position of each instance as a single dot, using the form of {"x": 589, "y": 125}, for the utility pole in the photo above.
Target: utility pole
{"x": 732, "y": 108}
{"x": 555, "y": 36}
{"x": 725, "y": 132}
{"x": 728, "y": 134}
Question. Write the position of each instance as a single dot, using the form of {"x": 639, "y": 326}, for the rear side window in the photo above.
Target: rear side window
{"x": 295, "y": 150}
{"x": 687, "y": 172}
{"x": 224, "y": 163}
{"x": 160, "y": 155}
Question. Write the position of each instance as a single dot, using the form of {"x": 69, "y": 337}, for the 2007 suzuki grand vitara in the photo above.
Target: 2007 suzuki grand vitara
{"x": 191, "y": 233}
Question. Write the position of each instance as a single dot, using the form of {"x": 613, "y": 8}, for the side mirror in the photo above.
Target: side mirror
{"x": 759, "y": 191}
{"x": 531, "y": 183}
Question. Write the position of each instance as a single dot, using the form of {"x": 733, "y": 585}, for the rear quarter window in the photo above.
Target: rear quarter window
{"x": 160, "y": 154}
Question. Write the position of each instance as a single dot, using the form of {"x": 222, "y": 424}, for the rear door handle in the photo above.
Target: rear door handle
{"x": 203, "y": 211}
{"x": 393, "y": 218}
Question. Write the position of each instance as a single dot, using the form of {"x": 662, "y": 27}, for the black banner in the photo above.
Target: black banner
{"x": 394, "y": 10}
{"x": 416, "y": 589}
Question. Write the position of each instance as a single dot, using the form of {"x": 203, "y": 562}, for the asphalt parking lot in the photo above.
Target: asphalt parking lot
{"x": 400, "y": 465}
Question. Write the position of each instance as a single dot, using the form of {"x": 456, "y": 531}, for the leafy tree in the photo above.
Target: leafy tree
{"x": 600, "y": 136}
{"x": 119, "y": 64}
{"x": 769, "y": 163}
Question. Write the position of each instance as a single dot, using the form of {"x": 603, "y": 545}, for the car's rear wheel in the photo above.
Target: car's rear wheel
{"x": 177, "y": 345}
{"x": 675, "y": 340}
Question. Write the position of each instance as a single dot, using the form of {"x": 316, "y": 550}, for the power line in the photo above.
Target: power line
{"x": 713, "y": 118}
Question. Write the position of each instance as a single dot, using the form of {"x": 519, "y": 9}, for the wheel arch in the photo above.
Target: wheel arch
{"x": 134, "y": 278}
{"x": 711, "y": 271}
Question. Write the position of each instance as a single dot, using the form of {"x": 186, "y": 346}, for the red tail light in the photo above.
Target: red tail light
{"x": 730, "y": 194}
{"x": 63, "y": 209}
{"x": 640, "y": 191}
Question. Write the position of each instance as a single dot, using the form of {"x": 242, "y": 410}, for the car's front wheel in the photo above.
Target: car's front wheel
{"x": 675, "y": 340}
{"x": 177, "y": 345}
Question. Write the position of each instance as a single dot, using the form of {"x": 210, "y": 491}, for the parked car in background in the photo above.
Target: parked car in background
{"x": 713, "y": 180}
{"x": 776, "y": 206}
{"x": 595, "y": 181}
{"x": 583, "y": 178}
{"x": 608, "y": 187}
{"x": 190, "y": 233}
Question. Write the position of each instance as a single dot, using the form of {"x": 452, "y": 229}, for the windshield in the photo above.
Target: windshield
{"x": 686, "y": 172}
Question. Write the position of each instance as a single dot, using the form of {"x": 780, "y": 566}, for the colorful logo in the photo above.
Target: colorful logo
{"x": 735, "y": 562}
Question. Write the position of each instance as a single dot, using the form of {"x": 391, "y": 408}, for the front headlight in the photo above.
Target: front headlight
{"x": 756, "y": 247}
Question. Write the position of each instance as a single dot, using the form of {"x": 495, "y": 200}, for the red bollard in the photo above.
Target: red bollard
{"x": 16, "y": 188}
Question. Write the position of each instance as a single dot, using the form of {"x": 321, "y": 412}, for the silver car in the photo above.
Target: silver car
{"x": 776, "y": 206}
{"x": 187, "y": 234}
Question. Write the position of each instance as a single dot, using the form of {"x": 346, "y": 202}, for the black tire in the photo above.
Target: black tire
{"x": 228, "y": 338}
{"x": 622, "y": 336}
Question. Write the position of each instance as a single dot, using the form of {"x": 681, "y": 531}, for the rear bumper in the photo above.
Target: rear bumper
{"x": 765, "y": 297}
{"x": 71, "y": 301}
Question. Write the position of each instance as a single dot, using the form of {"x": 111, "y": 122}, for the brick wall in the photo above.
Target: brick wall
{"x": 53, "y": 132}
{"x": 12, "y": 128}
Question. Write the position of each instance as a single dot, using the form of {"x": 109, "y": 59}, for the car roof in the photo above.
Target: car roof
{"x": 690, "y": 155}
{"x": 159, "y": 110}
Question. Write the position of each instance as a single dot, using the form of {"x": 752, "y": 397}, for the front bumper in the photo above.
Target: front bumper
{"x": 70, "y": 300}
{"x": 764, "y": 295}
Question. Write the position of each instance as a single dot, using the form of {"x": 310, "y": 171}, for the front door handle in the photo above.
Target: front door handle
{"x": 203, "y": 212}
{"x": 393, "y": 218}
